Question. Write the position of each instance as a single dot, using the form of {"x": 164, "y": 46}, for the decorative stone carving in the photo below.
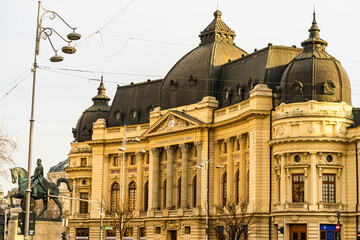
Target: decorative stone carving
{"x": 329, "y": 87}
{"x": 343, "y": 129}
{"x": 313, "y": 128}
{"x": 294, "y": 218}
{"x": 172, "y": 123}
{"x": 185, "y": 147}
{"x": 170, "y": 149}
{"x": 332, "y": 219}
{"x": 198, "y": 145}
{"x": 156, "y": 151}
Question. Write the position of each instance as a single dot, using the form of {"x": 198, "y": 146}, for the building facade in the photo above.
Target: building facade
{"x": 276, "y": 129}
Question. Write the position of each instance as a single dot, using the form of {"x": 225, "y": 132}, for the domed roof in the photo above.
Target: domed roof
{"x": 99, "y": 109}
{"x": 314, "y": 74}
{"x": 60, "y": 167}
{"x": 194, "y": 75}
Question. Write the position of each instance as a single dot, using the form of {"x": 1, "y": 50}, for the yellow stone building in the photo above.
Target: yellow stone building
{"x": 278, "y": 121}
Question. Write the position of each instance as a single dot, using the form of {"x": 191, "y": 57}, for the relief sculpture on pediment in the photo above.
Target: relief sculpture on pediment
{"x": 172, "y": 123}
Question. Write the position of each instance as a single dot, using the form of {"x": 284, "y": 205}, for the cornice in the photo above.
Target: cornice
{"x": 307, "y": 139}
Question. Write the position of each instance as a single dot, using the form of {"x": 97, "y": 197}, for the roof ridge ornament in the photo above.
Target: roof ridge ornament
{"x": 217, "y": 31}
{"x": 101, "y": 92}
{"x": 314, "y": 42}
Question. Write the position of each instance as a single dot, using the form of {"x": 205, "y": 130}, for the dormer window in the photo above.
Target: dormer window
{"x": 329, "y": 87}
{"x": 134, "y": 114}
{"x": 192, "y": 81}
{"x": 173, "y": 85}
{"x": 118, "y": 116}
{"x": 227, "y": 96}
{"x": 297, "y": 88}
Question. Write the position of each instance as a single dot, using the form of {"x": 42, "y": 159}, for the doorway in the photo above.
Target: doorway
{"x": 172, "y": 235}
{"x": 298, "y": 232}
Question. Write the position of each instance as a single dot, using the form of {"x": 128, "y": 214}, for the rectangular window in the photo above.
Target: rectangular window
{"x": 157, "y": 230}
{"x": 142, "y": 232}
{"x": 129, "y": 232}
{"x": 111, "y": 234}
{"x": 298, "y": 187}
{"x": 84, "y": 206}
{"x": 82, "y": 233}
{"x": 83, "y": 162}
{"x": 116, "y": 161}
{"x": 329, "y": 188}
{"x": 133, "y": 160}
{"x": 187, "y": 230}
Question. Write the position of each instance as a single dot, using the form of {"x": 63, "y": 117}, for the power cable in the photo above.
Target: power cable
{"x": 26, "y": 71}
{"x": 16, "y": 85}
{"x": 108, "y": 22}
{"x": 178, "y": 89}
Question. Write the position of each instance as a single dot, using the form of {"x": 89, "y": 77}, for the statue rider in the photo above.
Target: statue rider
{"x": 38, "y": 178}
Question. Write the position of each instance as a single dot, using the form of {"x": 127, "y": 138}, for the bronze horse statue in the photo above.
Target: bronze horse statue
{"x": 21, "y": 175}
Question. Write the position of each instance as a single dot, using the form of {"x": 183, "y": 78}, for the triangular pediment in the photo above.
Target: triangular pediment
{"x": 173, "y": 121}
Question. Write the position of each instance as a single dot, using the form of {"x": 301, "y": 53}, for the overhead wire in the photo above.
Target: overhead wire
{"x": 16, "y": 85}
{"x": 163, "y": 76}
{"x": 107, "y": 23}
{"x": 126, "y": 84}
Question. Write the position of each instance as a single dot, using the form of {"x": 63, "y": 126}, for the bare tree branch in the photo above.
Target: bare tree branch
{"x": 119, "y": 217}
{"x": 7, "y": 147}
{"x": 232, "y": 221}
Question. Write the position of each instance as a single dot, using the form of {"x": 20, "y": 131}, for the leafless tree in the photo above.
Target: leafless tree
{"x": 119, "y": 217}
{"x": 7, "y": 147}
{"x": 232, "y": 221}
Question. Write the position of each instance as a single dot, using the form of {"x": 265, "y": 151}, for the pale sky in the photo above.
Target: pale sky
{"x": 138, "y": 40}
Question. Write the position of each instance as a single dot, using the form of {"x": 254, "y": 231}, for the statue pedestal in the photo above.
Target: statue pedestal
{"x": 45, "y": 229}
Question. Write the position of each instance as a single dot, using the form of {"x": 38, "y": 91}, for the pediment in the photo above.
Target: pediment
{"x": 173, "y": 121}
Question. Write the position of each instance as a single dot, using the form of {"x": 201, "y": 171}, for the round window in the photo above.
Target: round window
{"x": 83, "y": 182}
{"x": 297, "y": 158}
{"x": 329, "y": 158}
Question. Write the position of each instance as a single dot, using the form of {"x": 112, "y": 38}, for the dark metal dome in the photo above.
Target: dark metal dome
{"x": 314, "y": 74}
{"x": 99, "y": 109}
{"x": 195, "y": 75}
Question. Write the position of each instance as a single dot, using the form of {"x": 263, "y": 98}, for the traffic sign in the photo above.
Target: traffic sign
{"x": 337, "y": 227}
{"x": 107, "y": 228}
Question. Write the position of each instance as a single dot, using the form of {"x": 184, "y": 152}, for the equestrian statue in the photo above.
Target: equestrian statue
{"x": 40, "y": 187}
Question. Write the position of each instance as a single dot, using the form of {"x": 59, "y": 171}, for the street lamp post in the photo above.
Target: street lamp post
{"x": 45, "y": 33}
{"x": 205, "y": 163}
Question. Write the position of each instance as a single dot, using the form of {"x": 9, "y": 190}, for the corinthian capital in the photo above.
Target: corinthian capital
{"x": 156, "y": 151}
{"x": 198, "y": 145}
{"x": 185, "y": 147}
{"x": 230, "y": 141}
{"x": 139, "y": 155}
{"x": 170, "y": 149}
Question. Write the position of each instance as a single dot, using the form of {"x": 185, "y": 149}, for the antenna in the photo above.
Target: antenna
{"x": 217, "y": 6}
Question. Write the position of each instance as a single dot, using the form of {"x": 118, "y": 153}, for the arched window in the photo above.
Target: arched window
{"x": 194, "y": 191}
{"x": 132, "y": 195}
{"x": 179, "y": 192}
{"x": 237, "y": 179}
{"x": 224, "y": 188}
{"x": 164, "y": 196}
{"x": 115, "y": 196}
{"x": 146, "y": 195}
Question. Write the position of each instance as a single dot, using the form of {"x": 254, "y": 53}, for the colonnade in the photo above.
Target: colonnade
{"x": 185, "y": 168}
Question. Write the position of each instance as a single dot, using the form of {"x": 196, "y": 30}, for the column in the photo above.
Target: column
{"x": 314, "y": 177}
{"x": 155, "y": 177}
{"x": 230, "y": 169}
{"x": 106, "y": 191}
{"x": 139, "y": 180}
{"x": 217, "y": 181}
{"x": 198, "y": 145}
{"x": 242, "y": 170}
{"x": 169, "y": 179}
{"x": 185, "y": 147}
{"x": 283, "y": 180}
{"x": 73, "y": 195}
